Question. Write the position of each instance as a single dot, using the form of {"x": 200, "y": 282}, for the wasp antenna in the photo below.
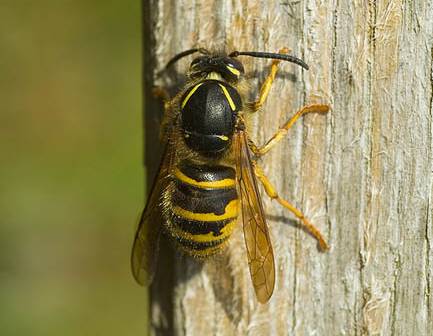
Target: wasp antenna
{"x": 259, "y": 54}
{"x": 184, "y": 54}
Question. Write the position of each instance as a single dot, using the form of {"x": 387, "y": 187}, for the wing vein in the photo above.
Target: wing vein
{"x": 257, "y": 240}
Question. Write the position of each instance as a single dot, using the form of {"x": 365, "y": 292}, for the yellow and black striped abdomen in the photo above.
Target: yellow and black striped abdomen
{"x": 203, "y": 207}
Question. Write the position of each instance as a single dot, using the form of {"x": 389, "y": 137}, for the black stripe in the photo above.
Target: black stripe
{"x": 197, "y": 227}
{"x": 205, "y": 173}
{"x": 196, "y": 191}
{"x": 200, "y": 200}
{"x": 198, "y": 246}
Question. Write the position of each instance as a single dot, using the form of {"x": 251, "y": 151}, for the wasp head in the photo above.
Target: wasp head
{"x": 226, "y": 67}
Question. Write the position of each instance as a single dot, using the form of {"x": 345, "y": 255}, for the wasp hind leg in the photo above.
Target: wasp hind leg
{"x": 266, "y": 86}
{"x": 272, "y": 193}
{"x": 281, "y": 133}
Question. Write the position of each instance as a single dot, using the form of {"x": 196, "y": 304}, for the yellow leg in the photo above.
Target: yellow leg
{"x": 266, "y": 86}
{"x": 162, "y": 94}
{"x": 272, "y": 193}
{"x": 259, "y": 151}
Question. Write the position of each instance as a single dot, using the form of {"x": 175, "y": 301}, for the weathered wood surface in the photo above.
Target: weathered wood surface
{"x": 363, "y": 173}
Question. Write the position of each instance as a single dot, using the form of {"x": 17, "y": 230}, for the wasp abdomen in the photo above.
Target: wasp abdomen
{"x": 203, "y": 207}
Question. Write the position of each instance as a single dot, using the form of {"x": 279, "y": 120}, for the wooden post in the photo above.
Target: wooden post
{"x": 363, "y": 173}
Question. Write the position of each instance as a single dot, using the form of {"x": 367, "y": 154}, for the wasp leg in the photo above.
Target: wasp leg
{"x": 272, "y": 193}
{"x": 259, "y": 151}
{"x": 163, "y": 96}
{"x": 266, "y": 86}
{"x": 161, "y": 93}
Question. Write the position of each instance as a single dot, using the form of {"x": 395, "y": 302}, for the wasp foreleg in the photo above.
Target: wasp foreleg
{"x": 163, "y": 96}
{"x": 161, "y": 93}
{"x": 266, "y": 86}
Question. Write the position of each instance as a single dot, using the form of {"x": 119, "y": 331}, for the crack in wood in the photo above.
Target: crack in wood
{"x": 429, "y": 220}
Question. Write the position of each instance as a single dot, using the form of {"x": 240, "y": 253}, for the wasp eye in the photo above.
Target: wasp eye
{"x": 234, "y": 66}
{"x": 198, "y": 61}
{"x": 194, "y": 62}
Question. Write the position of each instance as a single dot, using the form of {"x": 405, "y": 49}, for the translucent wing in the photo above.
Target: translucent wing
{"x": 145, "y": 247}
{"x": 258, "y": 243}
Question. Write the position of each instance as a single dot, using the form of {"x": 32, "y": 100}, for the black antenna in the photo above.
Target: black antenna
{"x": 260, "y": 54}
{"x": 183, "y": 54}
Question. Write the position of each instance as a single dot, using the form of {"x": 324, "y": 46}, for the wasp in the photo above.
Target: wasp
{"x": 209, "y": 173}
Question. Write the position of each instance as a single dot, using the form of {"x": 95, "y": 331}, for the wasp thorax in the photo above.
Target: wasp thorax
{"x": 209, "y": 111}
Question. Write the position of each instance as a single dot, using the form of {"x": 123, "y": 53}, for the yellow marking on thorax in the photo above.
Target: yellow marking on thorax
{"x": 207, "y": 237}
{"x": 224, "y": 183}
{"x": 231, "y": 211}
{"x": 194, "y": 89}
{"x": 229, "y": 98}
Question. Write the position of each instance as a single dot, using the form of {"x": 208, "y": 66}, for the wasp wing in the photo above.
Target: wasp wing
{"x": 257, "y": 240}
{"x": 145, "y": 246}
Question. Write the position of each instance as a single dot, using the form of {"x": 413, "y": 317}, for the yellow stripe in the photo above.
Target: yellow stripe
{"x": 229, "y": 98}
{"x": 223, "y": 137}
{"x": 194, "y": 89}
{"x": 224, "y": 183}
{"x": 231, "y": 211}
{"x": 234, "y": 71}
{"x": 208, "y": 237}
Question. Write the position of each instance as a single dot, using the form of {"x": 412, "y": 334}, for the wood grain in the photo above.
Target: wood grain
{"x": 363, "y": 173}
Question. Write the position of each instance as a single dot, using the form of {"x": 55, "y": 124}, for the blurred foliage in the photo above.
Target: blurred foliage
{"x": 71, "y": 167}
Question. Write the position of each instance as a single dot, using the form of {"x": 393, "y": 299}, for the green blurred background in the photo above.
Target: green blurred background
{"x": 71, "y": 170}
